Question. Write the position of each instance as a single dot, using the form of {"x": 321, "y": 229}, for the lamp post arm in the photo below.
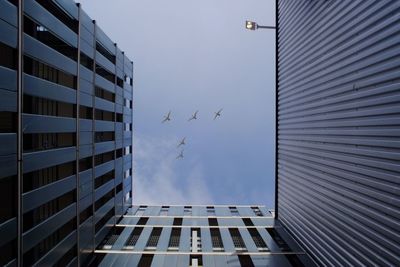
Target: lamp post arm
{"x": 266, "y": 27}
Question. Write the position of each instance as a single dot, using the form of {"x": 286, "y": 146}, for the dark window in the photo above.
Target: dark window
{"x": 142, "y": 221}
{"x": 41, "y": 213}
{"x": 66, "y": 258}
{"x": 85, "y": 113}
{"x": 278, "y": 240}
{"x": 187, "y": 210}
{"x": 102, "y": 50}
{"x": 103, "y": 158}
{"x": 43, "y": 106}
{"x": 212, "y": 222}
{"x": 103, "y": 200}
{"x": 145, "y": 260}
{"x": 154, "y": 237}
{"x": 99, "y": 225}
{"x": 8, "y": 56}
{"x": 99, "y": 181}
{"x": 177, "y": 221}
{"x": 104, "y": 136}
{"x": 216, "y": 239}
{"x": 245, "y": 261}
{"x": 104, "y": 115}
{"x": 8, "y": 122}
{"x": 133, "y": 237}
{"x": 104, "y": 94}
{"x": 247, "y": 222}
{"x": 48, "y": 243}
{"x": 195, "y": 258}
{"x": 45, "y": 36}
{"x": 120, "y": 82}
{"x": 258, "y": 241}
{"x": 174, "y": 238}
{"x": 44, "y": 141}
{"x": 119, "y": 117}
{"x": 8, "y": 198}
{"x": 86, "y": 61}
{"x": 84, "y": 215}
{"x": 85, "y": 164}
{"x": 43, "y": 71}
{"x": 105, "y": 74}
{"x": 118, "y": 188}
{"x": 257, "y": 211}
{"x": 237, "y": 239}
{"x": 39, "y": 178}
{"x": 118, "y": 153}
{"x": 8, "y": 252}
{"x": 60, "y": 14}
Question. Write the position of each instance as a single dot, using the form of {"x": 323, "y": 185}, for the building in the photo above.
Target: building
{"x": 65, "y": 133}
{"x": 209, "y": 236}
{"x": 338, "y": 105}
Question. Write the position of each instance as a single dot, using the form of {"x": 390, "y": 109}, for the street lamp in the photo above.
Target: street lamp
{"x": 251, "y": 25}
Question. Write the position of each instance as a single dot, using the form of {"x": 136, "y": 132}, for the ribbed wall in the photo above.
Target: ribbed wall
{"x": 339, "y": 129}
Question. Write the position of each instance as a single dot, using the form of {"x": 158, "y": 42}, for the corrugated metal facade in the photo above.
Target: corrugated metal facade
{"x": 65, "y": 133}
{"x": 338, "y": 136}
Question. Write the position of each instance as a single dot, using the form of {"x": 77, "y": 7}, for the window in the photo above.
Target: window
{"x": 247, "y": 222}
{"x": 153, "y": 239}
{"x": 8, "y": 196}
{"x": 257, "y": 211}
{"x": 8, "y": 122}
{"x": 216, "y": 240}
{"x": 195, "y": 240}
{"x": 177, "y": 221}
{"x": 85, "y": 164}
{"x": 39, "y": 178}
{"x": 103, "y": 200}
{"x": 140, "y": 210}
{"x": 46, "y": 72}
{"x": 278, "y": 240}
{"x": 105, "y": 73}
{"x": 210, "y": 211}
{"x": 142, "y": 221}
{"x": 258, "y": 241}
{"x": 128, "y": 127}
{"x": 237, "y": 239}
{"x": 174, "y": 239}
{"x": 100, "y": 224}
{"x": 104, "y": 115}
{"x": 41, "y": 213}
{"x": 8, "y": 56}
{"x": 104, "y": 94}
{"x": 212, "y": 222}
{"x": 45, "y": 141}
{"x": 245, "y": 261}
{"x": 47, "y": 107}
{"x": 60, "y": 14}
{"x": 119, "y": 117}
{"x": 101, "y": 180}
{"x": 84, "y": 215}
{"x": 85, "y": 113}
{"x": 234, "y": 211}
{"x": 164, "y": 211}
{"x": 145, "y": 260}
{"x": 102, "y": 50}
{"x": 133, "y": 238}
{"x": 187, "y": 211}
{"x": 86, "y": 61}
{"x": 195, "y": 261}
{"x": 103, "y": 158}
{"x": 104, "y": 137}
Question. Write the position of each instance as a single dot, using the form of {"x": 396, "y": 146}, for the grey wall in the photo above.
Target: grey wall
{"x": 339, "y": 129}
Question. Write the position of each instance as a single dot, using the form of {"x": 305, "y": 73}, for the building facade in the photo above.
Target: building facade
{"x": 196, "y": 236}
{"x": 65, "y": 133}
{"x": 338, "y": 129}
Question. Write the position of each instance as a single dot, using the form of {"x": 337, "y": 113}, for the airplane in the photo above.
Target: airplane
{"x": 167, "y": 117}
{"x": 194, "y": 116}
{"x": 180, "y": 156}
{"x": 182, "y": 142}
{"x": 217, "y": 114}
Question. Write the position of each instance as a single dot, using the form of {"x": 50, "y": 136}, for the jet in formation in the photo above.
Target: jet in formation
{"x": 182, "y": 142}
{"x": 194, "y": 116}
{"x": 217, "y": 114}
{"x": 167, "y": 117}
{"x": 180, "y": 156}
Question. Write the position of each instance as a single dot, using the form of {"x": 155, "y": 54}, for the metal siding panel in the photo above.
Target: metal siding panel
{"x": 8, "y": 231}
{"x": 338, "y": 130}
{"x": 8, "y": 32}
{"x": 8, "y": 144}
{"x": 48, "y": 124}
{"x": 43, "y": 159}
{"x": 8, "y": 13}
{"x": 8, "y": 78}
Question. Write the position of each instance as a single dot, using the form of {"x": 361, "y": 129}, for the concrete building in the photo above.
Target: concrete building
{"x": 65, "y": 133}
{"x": 209, "y": 236}
{"x": 338, "y": 129}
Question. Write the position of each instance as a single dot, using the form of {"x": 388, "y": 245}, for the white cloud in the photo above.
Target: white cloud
{"x": 160, "y": 179}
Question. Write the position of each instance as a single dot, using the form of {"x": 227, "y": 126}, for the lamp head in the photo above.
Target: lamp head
{"x": 250, "y": 25}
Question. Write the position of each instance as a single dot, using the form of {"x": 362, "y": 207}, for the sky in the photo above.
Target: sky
{"x": 197, "y": 55}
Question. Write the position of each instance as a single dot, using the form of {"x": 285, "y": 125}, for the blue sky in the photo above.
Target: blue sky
{"x": 197, "y": 55}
